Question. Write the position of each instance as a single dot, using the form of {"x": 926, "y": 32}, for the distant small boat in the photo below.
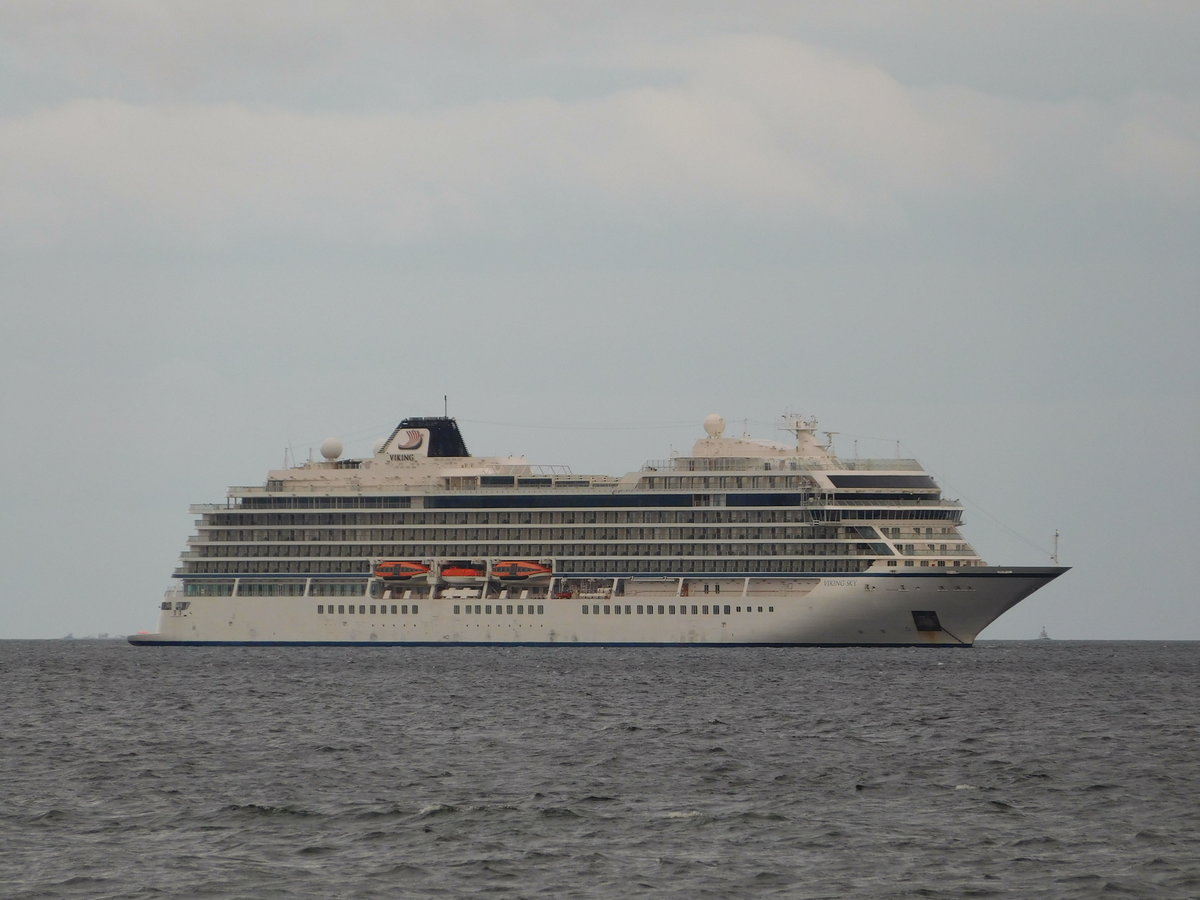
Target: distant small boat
{"x": 1044, "y": 636}
{"x": 520, "y": 570}
{"x": 401, "y": 570}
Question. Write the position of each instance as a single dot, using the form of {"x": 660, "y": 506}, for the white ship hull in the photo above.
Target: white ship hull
{"x": 886, "y": 609}
{"x": 745, "y": 542}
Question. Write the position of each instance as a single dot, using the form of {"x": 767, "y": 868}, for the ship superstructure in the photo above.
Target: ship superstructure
{"x": 743, "y": 541}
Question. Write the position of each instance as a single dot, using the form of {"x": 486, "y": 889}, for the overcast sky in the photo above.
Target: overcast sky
{"x": 972, "y": 228}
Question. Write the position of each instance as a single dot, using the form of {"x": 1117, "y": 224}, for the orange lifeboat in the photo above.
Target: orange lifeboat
{"x": 520, "y": 570}
{"x": 462, "y": 574}
{"x": 400, "y": 570}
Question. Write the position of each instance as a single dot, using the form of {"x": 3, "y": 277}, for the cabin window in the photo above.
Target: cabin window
{"x": 320, "y": 609}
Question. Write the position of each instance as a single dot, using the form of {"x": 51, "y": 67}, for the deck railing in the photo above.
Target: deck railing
{"x": 777, "y": 464}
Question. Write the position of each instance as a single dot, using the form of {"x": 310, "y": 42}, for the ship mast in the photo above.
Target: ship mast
{"x": 799, "y": 426}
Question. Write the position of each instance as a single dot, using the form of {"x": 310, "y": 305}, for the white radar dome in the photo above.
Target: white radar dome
{"x": 714, "y": 425}
{"x": 331, "y": 448}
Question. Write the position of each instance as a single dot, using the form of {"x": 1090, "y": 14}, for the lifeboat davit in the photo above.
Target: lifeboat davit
{"x": 520, "y": 570}
{"x": 462, "y": 574}
{"x": 401, "y": 570}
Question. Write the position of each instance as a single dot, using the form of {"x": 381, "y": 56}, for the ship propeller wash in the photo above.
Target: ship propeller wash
{"x": 743, "y": 542}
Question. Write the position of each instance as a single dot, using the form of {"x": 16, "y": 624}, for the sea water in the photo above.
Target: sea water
{"x": 1031, "y": 769}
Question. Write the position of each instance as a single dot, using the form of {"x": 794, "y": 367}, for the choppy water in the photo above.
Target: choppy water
{"x": 1041, "y": 769}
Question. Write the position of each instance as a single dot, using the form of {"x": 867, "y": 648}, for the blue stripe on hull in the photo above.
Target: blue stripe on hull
{"x": 151, "y": 643}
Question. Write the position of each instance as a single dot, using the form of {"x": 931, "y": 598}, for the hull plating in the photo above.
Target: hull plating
{"x": 858, "y": 610}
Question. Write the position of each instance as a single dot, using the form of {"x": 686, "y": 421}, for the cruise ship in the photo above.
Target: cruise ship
{"x": 742, "y": 542}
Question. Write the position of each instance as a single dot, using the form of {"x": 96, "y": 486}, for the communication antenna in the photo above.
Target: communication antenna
{"x": 1054, "y": 556}
{"x": 445, "y": 406}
